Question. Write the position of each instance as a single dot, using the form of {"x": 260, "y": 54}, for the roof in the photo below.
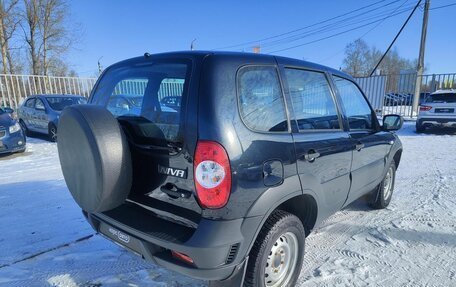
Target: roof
{"x": 56, "y": 95}
{"x": 226, "y": 54}
{"x": 447, "y": 91}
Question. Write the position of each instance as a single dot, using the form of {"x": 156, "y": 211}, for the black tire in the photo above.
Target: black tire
{"x": 24, "y": 128}
{"x": 95, "y": 157}
{"x": 382, "y": 198}
{"x": 276, "y": 228}
{"x": 419, "y": 128}
{"x": 52, "y": 132}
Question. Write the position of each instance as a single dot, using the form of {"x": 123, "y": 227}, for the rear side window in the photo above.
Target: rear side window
{"x": 153, "y": 92}
{"x": 261, "y": 102}
{"x": 312, "y": 101}
{"x": 441, "y": 98}
{"x": 357, "y": 109}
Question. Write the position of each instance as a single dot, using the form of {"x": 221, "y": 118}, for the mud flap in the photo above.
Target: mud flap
{"x": 235, "y": 280}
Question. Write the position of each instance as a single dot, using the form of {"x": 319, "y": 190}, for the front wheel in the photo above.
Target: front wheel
{"x": 24, "y": 128}
{"x": 276, "y": 257}
{"x": 384, "y": 191}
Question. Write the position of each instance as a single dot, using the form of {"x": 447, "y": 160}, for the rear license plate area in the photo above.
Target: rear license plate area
{"x": 444, "y": 110}
{"x": 121, "y": 238}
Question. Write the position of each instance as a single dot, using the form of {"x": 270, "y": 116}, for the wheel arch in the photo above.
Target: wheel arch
{"x": 397, "y": 157}
{"x": 303, "y": 205}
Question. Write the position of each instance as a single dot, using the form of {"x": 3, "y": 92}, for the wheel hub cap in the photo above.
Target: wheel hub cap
{"x": 388, "y": 183}
{"x": 282, "y": 260}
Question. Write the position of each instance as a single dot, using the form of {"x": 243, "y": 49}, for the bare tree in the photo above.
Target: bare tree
{"x": 56, "y": 38}
{"x": 356, "y": 58}
{"x": 48, "y": 34}
{"x": 360, "y": 59}
{"x": 31, "y": 32}
{"x": 9, "y": 20}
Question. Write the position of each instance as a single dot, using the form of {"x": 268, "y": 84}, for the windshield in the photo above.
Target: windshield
{"x": 2, "y": 111}
{"x": 59, "y": 103}
{"x": 151, "y": 92}
{"x": 441, "y": 98}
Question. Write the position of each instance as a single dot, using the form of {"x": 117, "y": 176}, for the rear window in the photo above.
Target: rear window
{"x": 59, "y": 103}
{"x": 442, "y": 98}
{"x": 152, "y": 92}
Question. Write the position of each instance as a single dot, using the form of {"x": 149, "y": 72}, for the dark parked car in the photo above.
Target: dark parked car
{"x": 171, "y": 101}
{"x": 40, "y": 113}
{"x": 12, "y": 138}
{"x": 260, "y": 151}
{"x": 393, "y": 100}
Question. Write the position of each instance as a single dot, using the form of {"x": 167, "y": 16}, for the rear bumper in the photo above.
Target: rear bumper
{"x": 437, "y": 121}
{"x": 217, "y": 248}
{"x": 12, "y": 142}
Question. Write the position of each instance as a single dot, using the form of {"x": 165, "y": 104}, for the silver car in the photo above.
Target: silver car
{"x": 40, "y": 113}
{"x": 437, "y": 110}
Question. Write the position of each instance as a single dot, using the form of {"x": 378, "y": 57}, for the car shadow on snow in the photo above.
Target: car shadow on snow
{"x": 45, "y": 240}
{"x": 390, "y": 234}
{"x": 8, "y": 156}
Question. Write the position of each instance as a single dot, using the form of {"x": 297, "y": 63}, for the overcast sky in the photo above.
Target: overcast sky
{"x": 116, "y": 30}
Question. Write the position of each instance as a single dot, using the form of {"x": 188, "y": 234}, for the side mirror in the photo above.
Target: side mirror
{"x": 392, "y": 123}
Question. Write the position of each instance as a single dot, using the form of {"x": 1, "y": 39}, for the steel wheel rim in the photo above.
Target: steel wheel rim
{"x": 388, "y": 184}
{"x": 54, "y": 133}
{"x": 282, "y": 260}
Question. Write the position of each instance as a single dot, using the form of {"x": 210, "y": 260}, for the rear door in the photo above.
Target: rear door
{"x": 370, "y": 144}
{"x": 40, "y": 116}
{"x": 323, "y": 148}
{"x": 160, "y": 149}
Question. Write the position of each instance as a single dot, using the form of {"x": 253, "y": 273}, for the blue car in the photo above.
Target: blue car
{"x": 12, "y": 138}
{"x": 40, "y": 113}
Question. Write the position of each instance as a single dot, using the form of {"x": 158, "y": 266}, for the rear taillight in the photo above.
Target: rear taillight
{"x": 425, "y": 108}
{"x": 212, "y": 173}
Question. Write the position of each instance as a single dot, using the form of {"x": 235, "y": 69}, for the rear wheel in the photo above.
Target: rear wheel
{"x": 419, "y": 128}
{"x": 276, "y": 257}
{"x": 52, "y": 132}
{"x": 384, "y": 191}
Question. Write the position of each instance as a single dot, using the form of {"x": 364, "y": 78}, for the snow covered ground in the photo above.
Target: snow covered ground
{"x": 45, "y": 241}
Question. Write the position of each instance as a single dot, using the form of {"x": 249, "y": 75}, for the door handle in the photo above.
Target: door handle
{"x": 311, "y": 156}
{"x": 359, "y": 146}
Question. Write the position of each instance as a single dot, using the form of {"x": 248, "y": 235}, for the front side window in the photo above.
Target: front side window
{"x": 143, "y": 92}
{"x": 261, "y": 102}
{"x": 357, "y": 109}
{"x": 312, "y": 101}
{"x": 30, "y": 103}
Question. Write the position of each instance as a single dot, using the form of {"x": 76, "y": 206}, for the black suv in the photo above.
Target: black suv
{"x": 226, "y": 185}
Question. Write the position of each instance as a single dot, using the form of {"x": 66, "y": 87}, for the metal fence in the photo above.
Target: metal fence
{"x": 137, "y": 87}
{"x": 15, "y": 88}
{"x": 393, "y": 94}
